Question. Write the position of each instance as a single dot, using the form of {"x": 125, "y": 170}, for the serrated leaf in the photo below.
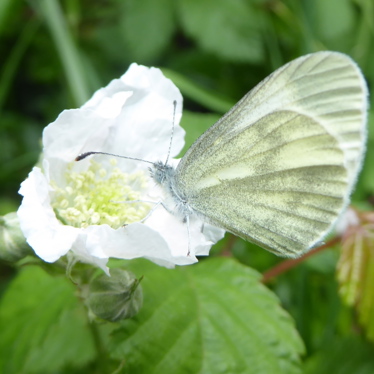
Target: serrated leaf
{"x": 229, "y": 29}
{"x": 43, "y": 327}
{"x": 213, "y": 317}
{"x": 148, "y": 26}
{"x": 355, "y": 270}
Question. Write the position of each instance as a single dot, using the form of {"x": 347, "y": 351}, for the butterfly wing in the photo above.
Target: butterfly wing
{"x": 279, "y": 167}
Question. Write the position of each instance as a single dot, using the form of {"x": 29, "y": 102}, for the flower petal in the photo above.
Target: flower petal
{"x": 133, "y": 241}
{"x": 45, "y": 234}
{"x": 114, "y": 120}
{"x": 81, "y": 253}
{"x": 175, "y": 233}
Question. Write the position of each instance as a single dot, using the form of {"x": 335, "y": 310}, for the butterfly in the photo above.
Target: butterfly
{"x": 278, "y": 169}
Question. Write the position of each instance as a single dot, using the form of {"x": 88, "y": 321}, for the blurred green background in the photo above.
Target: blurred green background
{"x": 55, "y": 54}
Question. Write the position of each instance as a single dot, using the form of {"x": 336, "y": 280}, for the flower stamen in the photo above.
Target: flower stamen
{"x": 94, "y": 196}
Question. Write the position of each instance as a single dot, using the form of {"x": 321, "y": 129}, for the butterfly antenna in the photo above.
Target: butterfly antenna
{"x": 172, "y": 131}
{"x": 85, "y": 154}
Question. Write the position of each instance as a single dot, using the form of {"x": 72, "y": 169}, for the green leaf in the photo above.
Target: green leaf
{"x": 342, "y": 356}
{"x": 228, "y": 29}
{"x": 68, "y": 52}
{"x": 195, "y": 124}
{"x": 334, "y": 18}
{"x": 12, "y": 60}
{"x": 208, "y": 99}
{"x": 147, "y": 26}
{"x": 6, "y": 7}
{"x": 43, "y": 327}
{"x": 367, "y": 174}
{"x": 213, "y": 317}
{"x": 355, "y": 271}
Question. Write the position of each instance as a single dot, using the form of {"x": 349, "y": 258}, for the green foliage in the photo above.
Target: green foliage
{"x": 356, "y": 272}
{"x": 51, "y": 11}
{"x": 334, "y": 20}
{"x": 192, "y": 91}
{"x": 366, "y": 187}
{"x": 151, "y": 20}
{"x": 215, "y": 317}
{"x": 204, "y": 121}
{"x": 358, "y": 358}
{"x": 230, "y": 30}
{"x": 43, "y": 326}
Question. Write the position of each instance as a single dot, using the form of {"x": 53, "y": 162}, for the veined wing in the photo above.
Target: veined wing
{"x": 325, "y": 86}
{"x": 283, "y": 191}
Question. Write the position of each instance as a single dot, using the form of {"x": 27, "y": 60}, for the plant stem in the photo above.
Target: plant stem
{"x": 289, "y": 264}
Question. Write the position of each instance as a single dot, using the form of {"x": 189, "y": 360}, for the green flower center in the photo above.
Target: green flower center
{"x": 100, "y": 196}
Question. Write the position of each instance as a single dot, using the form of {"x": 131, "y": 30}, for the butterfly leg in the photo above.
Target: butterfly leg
{"x": 187, "y": 219}
{"x": 152, "y": 210}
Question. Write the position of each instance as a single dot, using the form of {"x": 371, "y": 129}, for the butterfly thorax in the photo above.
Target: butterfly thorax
{"x": 174, "y": 201}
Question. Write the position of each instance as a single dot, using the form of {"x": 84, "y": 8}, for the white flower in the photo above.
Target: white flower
{"x": 80, "y": 206}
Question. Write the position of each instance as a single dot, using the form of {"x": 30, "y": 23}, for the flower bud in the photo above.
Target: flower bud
{"x": 13, "y": 245}
{"x": 116, "y": 297}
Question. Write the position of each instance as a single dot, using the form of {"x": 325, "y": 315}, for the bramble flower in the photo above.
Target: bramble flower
{"x": 98, "y": 208}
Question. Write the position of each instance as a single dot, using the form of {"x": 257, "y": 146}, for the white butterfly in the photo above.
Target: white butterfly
{"x": 278, "y": 168}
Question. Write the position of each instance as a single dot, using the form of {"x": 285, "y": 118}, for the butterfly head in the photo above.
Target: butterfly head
{"x": 161, "y": 172}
